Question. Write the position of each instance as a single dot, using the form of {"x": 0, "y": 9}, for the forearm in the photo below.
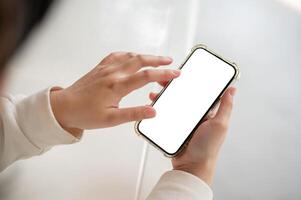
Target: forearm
{"x": 178, "y": 184}
{"x": 204, "y": 171}
{"x": 29, "y": 128}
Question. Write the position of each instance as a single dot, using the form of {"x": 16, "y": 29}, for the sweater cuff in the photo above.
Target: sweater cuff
{"x": 35, "y": 116}
{"x": 178, "y": 184}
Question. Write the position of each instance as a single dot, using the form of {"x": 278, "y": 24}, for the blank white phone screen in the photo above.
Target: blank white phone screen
{"x": 186, "y": 100}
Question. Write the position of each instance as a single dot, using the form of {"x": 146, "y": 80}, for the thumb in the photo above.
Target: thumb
{"x": 224, "y": 112}
{"x": 123, "y": 115}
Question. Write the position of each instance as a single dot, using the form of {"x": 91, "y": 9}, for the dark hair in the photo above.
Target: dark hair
{"x": 17, "y": 19}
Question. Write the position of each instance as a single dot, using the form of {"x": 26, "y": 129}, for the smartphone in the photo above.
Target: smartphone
{"x": 185, "y": 101}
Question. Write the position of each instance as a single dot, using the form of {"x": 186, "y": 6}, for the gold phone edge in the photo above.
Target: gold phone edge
{"x": 236, "y": 78}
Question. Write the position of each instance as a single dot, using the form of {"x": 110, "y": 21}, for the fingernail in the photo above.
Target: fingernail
{"x": 232, "y": 92}
{"x": 149, "y": 112}
{"x": 168, "y": 58}
{"x": 176, "y": 72}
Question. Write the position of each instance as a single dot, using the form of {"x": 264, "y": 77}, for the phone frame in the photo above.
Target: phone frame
{"x": 235, "y": 77}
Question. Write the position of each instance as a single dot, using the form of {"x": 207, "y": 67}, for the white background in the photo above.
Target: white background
{"x": 261, "y": 157}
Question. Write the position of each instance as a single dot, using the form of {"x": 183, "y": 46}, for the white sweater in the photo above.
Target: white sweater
{"x": 28, "y": 127}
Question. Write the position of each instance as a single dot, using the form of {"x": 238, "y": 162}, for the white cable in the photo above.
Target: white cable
{"x": 145, "y": 148}
{"x": 141, "y": 171}
{"x": 192, "y": 22}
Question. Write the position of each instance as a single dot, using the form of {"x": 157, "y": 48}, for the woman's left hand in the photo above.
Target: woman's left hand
{"x": 93, "y": 101}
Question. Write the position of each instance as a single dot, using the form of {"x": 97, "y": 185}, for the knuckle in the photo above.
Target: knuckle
{"x": 110, "y": 118}
{"x": 166, "y": 74}
{"x": 113, "y": 83}
{"x": 113, "y": 55}
{"x": 220, "y": 125}
{"x": 134, "y": 114}
{"x": 131, "y": 54}
{"x": 230, "y": 104}
{"x": 139, "y": 58}
{"x": 147, "y": 74}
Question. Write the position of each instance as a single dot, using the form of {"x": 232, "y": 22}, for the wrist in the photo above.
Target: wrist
{"x": 204, "y": 171}
{"x": 59, "y": 103}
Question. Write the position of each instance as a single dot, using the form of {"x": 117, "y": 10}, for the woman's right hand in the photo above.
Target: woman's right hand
{"x": 200, "y": 156}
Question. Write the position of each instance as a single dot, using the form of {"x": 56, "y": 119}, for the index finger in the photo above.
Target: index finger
{"x": 139, "y": 61}
{"x": 144, "y": 77}
{"x": 117, "y": 57}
